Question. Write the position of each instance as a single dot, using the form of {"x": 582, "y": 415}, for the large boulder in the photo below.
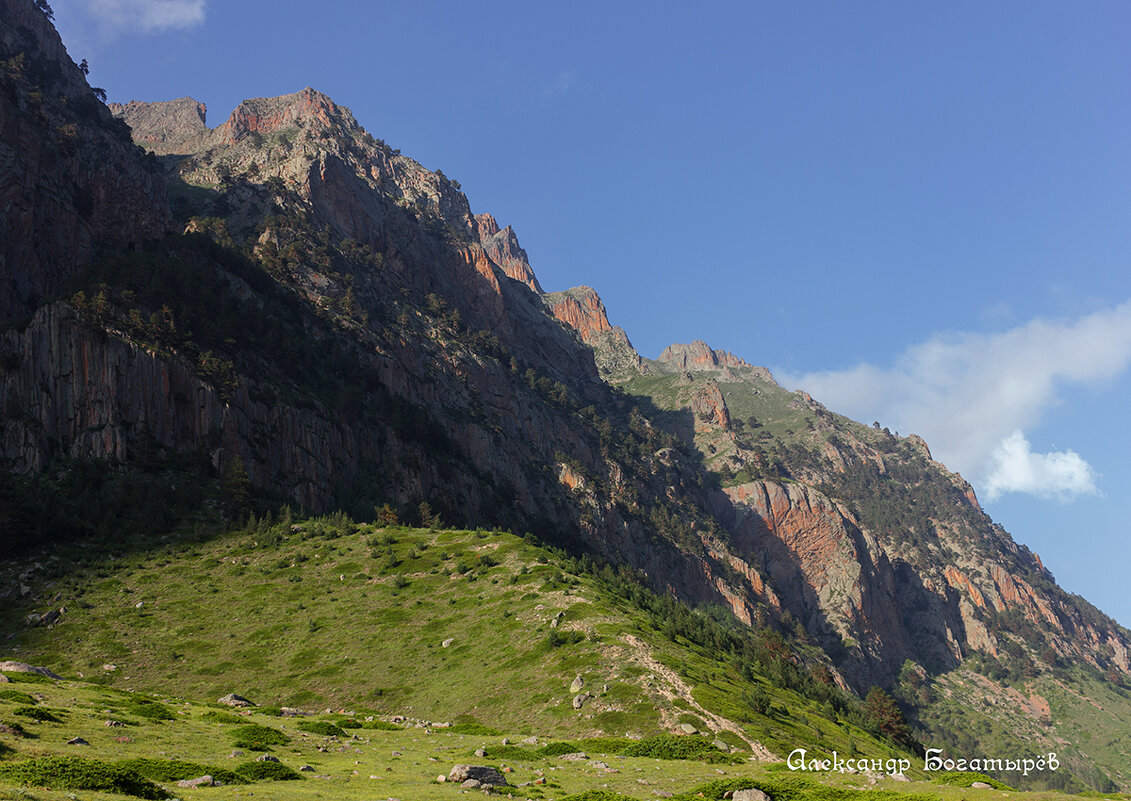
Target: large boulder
{"x": 23, "y": 667}
{"x": 480, "y": 773}
{"x": 231, "y": 699}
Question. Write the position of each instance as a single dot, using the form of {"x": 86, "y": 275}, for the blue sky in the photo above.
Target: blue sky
{"x": 917, "y": 212}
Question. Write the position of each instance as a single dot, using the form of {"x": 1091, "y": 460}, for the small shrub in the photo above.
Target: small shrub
{"x": 75, "y": 773}
{"x": 37, "y": 713}
{"x": 472, "y": 728}
{"x": 216, "y": 716}
{"x": 322, "y": 727}
{"x": 266, "y": 771}
{"x": 151, "y": 710}
{"x": 558, "y": 638}
{"x": 11, "y": 727}
{"x": 380, "y": 725}
{"x": 17, "y": 697}
{"x": 668, "y": 746}
{"x": 174, "y": 770}
{"x": 254, "y": 737}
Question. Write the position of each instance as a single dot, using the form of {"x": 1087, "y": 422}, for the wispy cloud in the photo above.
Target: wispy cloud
{"x": 563, "y": 82}
{"x": 972, "y": 396}
{"x": 146, "y": 16}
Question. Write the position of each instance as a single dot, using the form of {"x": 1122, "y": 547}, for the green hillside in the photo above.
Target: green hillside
{"x": 437, "y": 625}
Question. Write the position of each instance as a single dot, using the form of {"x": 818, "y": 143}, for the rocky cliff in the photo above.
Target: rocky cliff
{"x": 70, "y": 178}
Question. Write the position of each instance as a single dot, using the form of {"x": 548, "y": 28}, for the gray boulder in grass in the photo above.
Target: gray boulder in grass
{"x": 480, "y": 773}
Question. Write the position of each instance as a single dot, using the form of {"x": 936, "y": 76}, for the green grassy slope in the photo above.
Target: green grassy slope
{"x": 435, "y": 625}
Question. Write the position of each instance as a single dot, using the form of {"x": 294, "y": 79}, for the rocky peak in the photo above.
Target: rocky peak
{"x": 502, "y": 247}
{"x": 164, "y": 127}
{"x": 581, "y": 309}
{"x": 308, "y": 108}
{"x": 699, "y": 356}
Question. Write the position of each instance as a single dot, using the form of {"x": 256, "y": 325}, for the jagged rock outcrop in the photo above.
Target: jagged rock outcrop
{"x": 70, "y": 178}
{"x": 699, "y": 356}
{"x": 169, "y": 127}
{"x": 581, "y": 309}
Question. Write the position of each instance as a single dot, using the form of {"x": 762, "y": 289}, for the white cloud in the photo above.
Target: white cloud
{"x": 147, "y": 16}
{"x": 1015, "y": 468}
{"x": 970, "y": 395}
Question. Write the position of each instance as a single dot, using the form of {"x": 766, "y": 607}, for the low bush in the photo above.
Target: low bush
{"x": 174, "y": 770}
{"x": 266, "y": 771}
{"x": 472, "y": 728}
{"x": 216, "y": 716}
{"x": 323, "y": 727}
{"x": 669, "y": 746}
{"x": 254, "y": 737}
{"x": 37, "y": 713}
{"x": 76, "y": 773}
{"x": 151, "y": 710}
{"x": 17, "y": 697}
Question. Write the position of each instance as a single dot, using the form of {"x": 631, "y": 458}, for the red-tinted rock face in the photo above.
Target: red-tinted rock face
{"x": 699, "y": 356}
{"x": 503, "y": 249}
{"x": 582, "y": 310}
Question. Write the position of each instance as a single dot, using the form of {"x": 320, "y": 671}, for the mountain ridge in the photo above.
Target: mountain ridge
{"x": 336, "y": 320}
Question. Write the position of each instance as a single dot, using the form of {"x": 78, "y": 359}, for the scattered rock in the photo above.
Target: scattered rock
{"x": 479, "y": 752}
{"x": 448, "y": 642}
{"x": 199, "y": 781}
{"x": 235, "y": 753}
{"x": 114, "y": 723}
{"x": 50, "y": 618}
{"x": 719, "y": 744}
{"x": 530, "y": 741}
{"x": 577, "y": 684}
{"x": 77, "y": 741}
{"x": 981, "y": 786}
{"x": 231, "y": 699}
{"x": 266, "y": 758}
{"x": 23, "y": 667}
{"x": 139, "y": 605}
{"x": 687, "y": 728}
{"x": 599, "y": 765}
{"x": 899, "y": 777}
{"x": 506, "y": 741}
{"x": 578, "y": 756}
{"x": 471, "y": 784}
{"x": 441, "y": 778}
{"x": 751, "y": 794}
{"x": 4, "y": 679}
{"x": 109, "y": 668}
{"x": 478, "y": 773}
{"x": 306, "y": 769}
{"x": 579, "y": 700}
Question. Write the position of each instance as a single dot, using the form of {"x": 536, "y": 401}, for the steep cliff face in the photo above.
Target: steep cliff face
{"x": 459, "y": 386}
{"x": 70, "y": 178}
{"x": 882, "y": 553}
